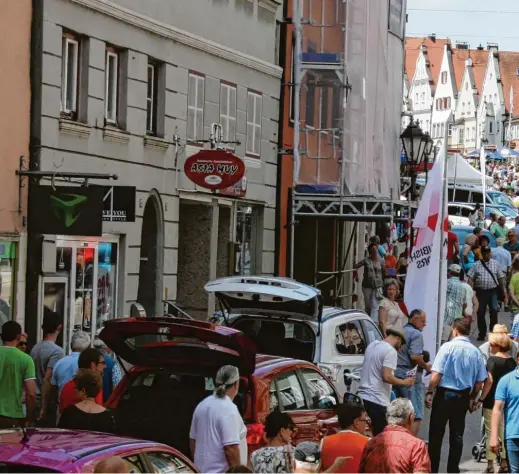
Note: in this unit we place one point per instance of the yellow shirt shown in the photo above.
(514, 285)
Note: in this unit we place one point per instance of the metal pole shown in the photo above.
(296, 21)
(455, 176)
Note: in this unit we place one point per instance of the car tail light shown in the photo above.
(255, 433)
(331, 370)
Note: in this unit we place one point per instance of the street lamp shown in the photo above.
(415, 142)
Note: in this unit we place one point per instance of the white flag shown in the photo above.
(425, 285)
(511, 100)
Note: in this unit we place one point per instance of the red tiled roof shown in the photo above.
(508, 64)
(479, 67)
(435, 50)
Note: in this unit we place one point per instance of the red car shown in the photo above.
(174, 365)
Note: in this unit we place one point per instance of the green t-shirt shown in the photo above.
(16, 368)
(498, 231)
(514, 284)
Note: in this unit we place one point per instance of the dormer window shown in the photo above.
(517, 71)
(444, 77)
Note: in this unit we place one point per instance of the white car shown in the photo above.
(459, 212)
(287, 318)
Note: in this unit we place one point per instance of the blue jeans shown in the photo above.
(512, 454)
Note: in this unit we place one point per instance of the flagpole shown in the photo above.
(443, 257)
(510, 121)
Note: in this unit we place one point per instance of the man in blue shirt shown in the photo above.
(458, 373)
(65, 370)
(507, 398)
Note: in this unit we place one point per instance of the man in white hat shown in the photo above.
(455, 302)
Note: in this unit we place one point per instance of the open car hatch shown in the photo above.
(163, 342)
(266, 296)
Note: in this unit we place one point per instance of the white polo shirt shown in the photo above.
(217, 423)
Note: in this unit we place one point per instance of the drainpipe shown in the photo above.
(283, 34)
(34, 241)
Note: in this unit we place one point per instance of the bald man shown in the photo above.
(112, 464)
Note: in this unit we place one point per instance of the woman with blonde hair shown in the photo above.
(390, 315)
(499, 364)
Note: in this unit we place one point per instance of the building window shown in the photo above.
(434, 131)
(195, 107)
(448, 103)
(462, 136)
(310, 101)
(228, 111)
(474, 132)
(70, 76)
(112, 86)
(151, 99)
(444, 77)
(253, 123)
(491, 127)
(497, 126)
(450, 130)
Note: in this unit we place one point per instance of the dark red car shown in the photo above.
(174, 365)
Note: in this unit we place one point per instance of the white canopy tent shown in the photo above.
(462, 173)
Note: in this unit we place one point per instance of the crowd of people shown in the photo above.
(46, 388)
(505, 179)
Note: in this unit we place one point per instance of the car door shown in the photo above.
(323, 398)
(287, 395)
(346, 347)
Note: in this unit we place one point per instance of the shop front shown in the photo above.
(83, 290)
(8, 264)
(80, 263)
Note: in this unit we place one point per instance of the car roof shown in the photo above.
(265, 364)
(51, 448)
(330, 312)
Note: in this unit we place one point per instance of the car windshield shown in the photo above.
(11, 467)
(501, 199)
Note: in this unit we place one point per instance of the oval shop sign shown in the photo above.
(214, 169)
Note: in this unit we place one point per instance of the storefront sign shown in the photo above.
(238, 190)
(397, 17)
(214, 169)
(67, 210)
(119, 203)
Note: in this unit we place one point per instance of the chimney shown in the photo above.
(492, 46)
(462, 45)
(468, 62)
(433, 37)
(480, 47)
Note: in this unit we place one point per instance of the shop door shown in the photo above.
(91, 270)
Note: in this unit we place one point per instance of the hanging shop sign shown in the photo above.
(119, 203)
(238, 190)
(214, 169)
(67, 210)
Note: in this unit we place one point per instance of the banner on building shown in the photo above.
(67, 210)
(426, 286)
(119, 203)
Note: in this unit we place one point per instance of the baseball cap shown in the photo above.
(454, 268)
(308, 451)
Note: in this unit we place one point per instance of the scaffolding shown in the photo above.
(339, 86)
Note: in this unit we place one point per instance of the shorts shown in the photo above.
(418, 400)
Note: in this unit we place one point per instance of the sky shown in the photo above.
(473, 21)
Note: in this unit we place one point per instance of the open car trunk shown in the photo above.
(175, 363)
(158, 404)
(277, 336)
(278, 314)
